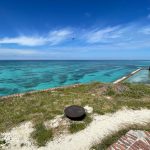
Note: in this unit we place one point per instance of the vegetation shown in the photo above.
(45, 105)
(2, 142)
(41, 134)
(76, 126)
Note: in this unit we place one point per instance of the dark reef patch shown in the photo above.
(63, 78)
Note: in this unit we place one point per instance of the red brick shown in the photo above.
(135, 146)
(120, 147)
(126, 140)
(147, 133)
(143, 145)
(115, 147)
(131, 136)
(123, 145)
(132, 148)
(120, 142)
(148, 140)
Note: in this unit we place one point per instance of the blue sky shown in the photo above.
(75, 29)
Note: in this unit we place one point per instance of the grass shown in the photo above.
(114, 137)
(45, 105)
(2, 142)
(77, 126)
(42, 135)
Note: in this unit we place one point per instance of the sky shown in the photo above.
(74, 29)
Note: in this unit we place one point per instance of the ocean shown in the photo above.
(23, 76)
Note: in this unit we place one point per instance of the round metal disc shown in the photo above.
(75, 112)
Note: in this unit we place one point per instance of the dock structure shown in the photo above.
(126, 77)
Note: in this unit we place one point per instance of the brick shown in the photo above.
(132, 148)
(120, 142)
(126, 140)
(142, 145)
(120, 147)
(148, 140)
(115, 148)
(123, 145)
(147, 133)
(135, 146)
(131, 136)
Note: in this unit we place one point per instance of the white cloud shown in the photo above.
(58, 36)
(103, 35)
(131, 36)
(24, 40)
(128, 36)
(53, 38)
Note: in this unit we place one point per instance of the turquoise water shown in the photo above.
(141, 77)
(23, 76)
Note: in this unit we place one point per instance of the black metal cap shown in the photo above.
(75, 112)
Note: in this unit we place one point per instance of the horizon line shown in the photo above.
(74, 59)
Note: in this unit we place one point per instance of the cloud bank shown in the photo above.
(53, 38)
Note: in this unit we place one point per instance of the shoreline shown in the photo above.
(68, 86)
(36, 91)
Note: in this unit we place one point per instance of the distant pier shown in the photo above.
(126, 77)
